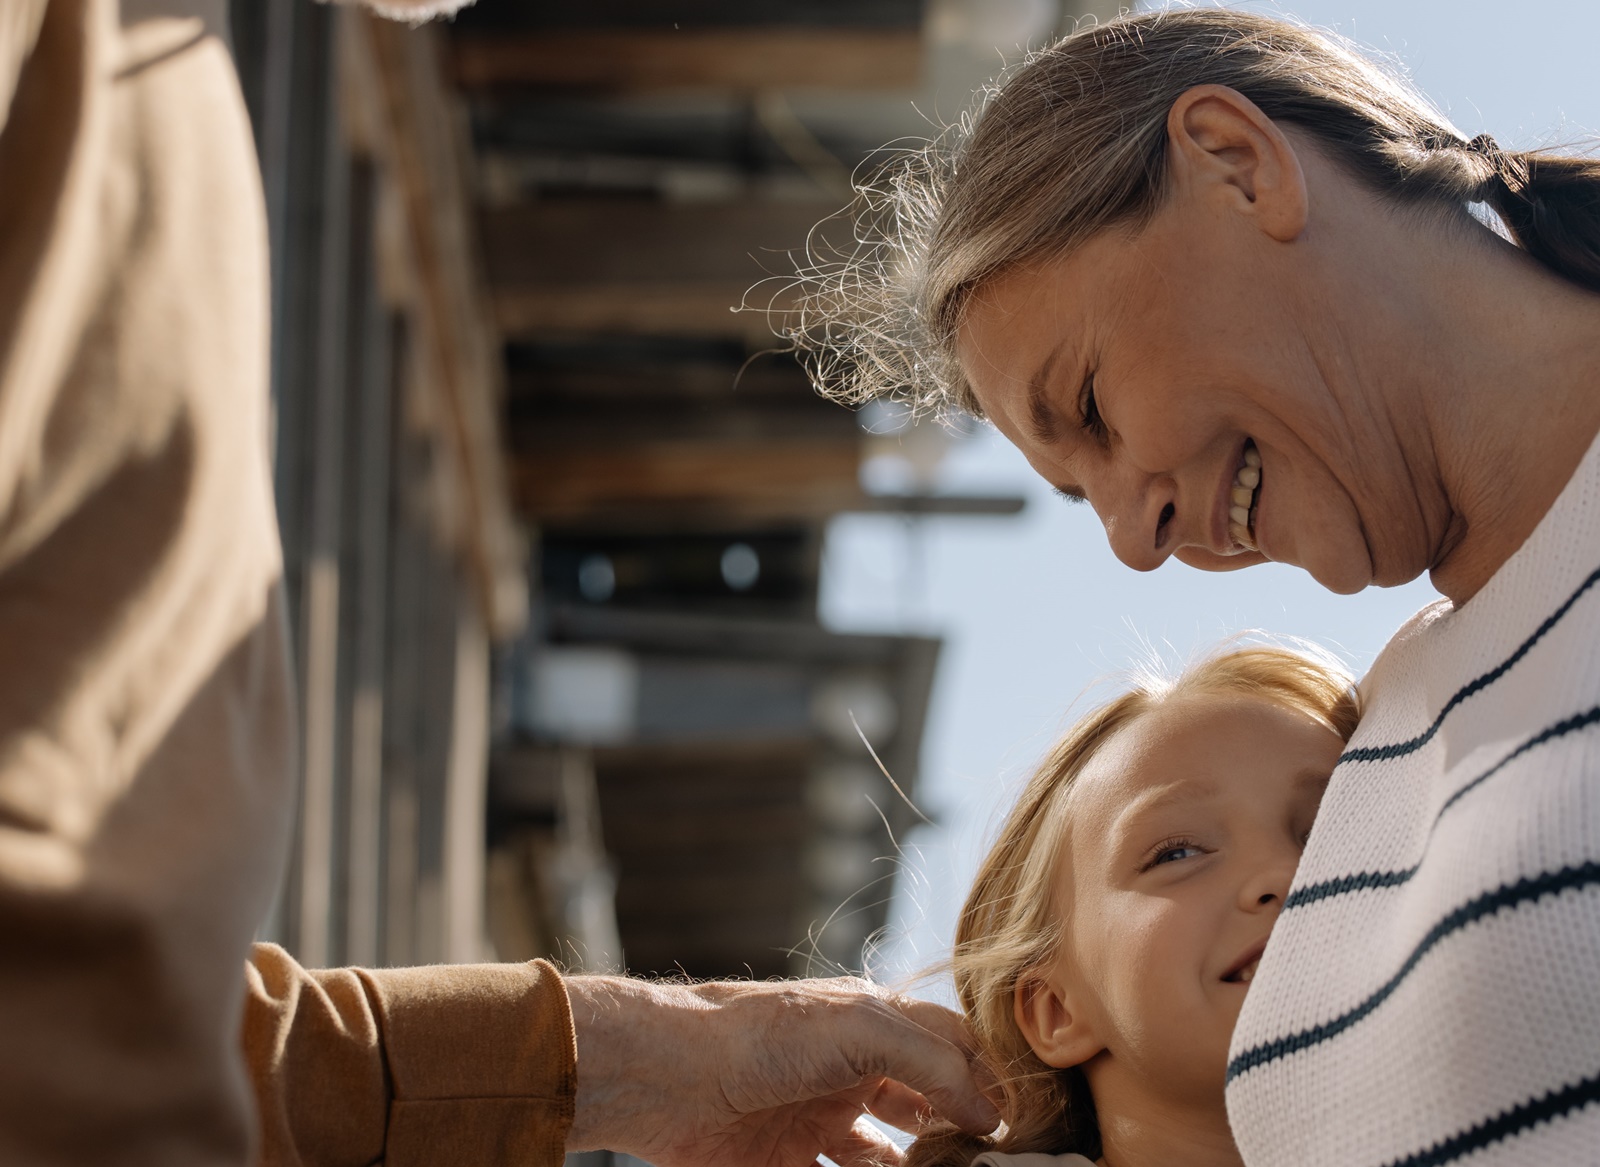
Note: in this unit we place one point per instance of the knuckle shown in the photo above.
(857, 986)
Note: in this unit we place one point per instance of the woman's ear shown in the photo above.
(1056, 1029)
(1220, 144)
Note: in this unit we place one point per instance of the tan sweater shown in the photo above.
(145, 729)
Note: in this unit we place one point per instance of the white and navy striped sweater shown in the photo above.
(1431, 994)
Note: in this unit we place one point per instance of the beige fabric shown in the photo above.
(463, 1064)
(144, 706)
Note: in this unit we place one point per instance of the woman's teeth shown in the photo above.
(1246, 491)
(1247, 974)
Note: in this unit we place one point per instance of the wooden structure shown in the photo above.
(750, 829)
(552, 515)
(403, 561)
(640, 176)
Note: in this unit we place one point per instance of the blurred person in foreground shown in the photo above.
(146, 736)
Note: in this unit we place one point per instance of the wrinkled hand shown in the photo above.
(765, 1075)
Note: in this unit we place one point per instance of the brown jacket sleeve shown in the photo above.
(453, 1064)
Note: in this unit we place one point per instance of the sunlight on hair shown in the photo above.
(1072, 140)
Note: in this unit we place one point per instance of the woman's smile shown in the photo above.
(1243, 498)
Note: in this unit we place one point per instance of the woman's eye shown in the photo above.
(1089, 410)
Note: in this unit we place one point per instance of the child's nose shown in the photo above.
(1267, 885)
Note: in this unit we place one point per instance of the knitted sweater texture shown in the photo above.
(1431, 993)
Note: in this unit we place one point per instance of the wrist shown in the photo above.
(631, 1042)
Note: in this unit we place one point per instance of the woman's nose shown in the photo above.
(1140, 516)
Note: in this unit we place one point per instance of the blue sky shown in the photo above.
(1036, 610)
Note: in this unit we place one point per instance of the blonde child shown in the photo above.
(1113, 930)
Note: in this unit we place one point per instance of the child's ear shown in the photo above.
(1054, 1027)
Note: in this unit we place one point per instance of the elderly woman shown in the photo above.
(1221, 278)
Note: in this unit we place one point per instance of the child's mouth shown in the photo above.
(1245, 975)
(1243, 497)
(1244, 970)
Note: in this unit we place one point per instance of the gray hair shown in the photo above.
(1073, 141)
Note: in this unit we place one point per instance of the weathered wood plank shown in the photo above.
(693, 58)
(602, 242)
(768, 476)
(693, 14)
(419, 140)
(650, 268)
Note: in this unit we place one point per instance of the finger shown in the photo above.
(864, 1145)
(900, 1106)
(946, 1023)
(940, 1070)
(949, 1025)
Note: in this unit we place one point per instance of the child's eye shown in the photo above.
(1171, 851)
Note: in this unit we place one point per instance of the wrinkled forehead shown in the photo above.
(1017, 337)
(1030, 336)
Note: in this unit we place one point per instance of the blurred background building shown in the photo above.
(553, 512)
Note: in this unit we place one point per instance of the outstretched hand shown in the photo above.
(767, 1074)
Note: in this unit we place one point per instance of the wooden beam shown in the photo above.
(769, 476)
(944, 505)
(605, 242)
(702, 58)
(646, 268)
(578, 425)
(669, 840)
(703, 310)
(677, 384)
(416, 131)
(505, 18)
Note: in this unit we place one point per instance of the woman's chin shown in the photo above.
(1210, 561)
(1343, 575)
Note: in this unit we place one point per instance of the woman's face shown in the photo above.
(1183, 835)
(1138, 370)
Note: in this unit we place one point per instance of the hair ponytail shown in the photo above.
(1550, 204)
(1055, 1117)
(1051, 1114)
(947, 1146)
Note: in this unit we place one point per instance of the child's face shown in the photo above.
(1182, 836)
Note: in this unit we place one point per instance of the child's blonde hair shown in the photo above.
(1011, 926)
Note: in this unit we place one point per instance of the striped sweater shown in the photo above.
(1431, 993)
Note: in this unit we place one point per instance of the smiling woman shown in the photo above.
(1177, 236)
(1225, 279)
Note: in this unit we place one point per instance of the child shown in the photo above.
(1113, 930)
